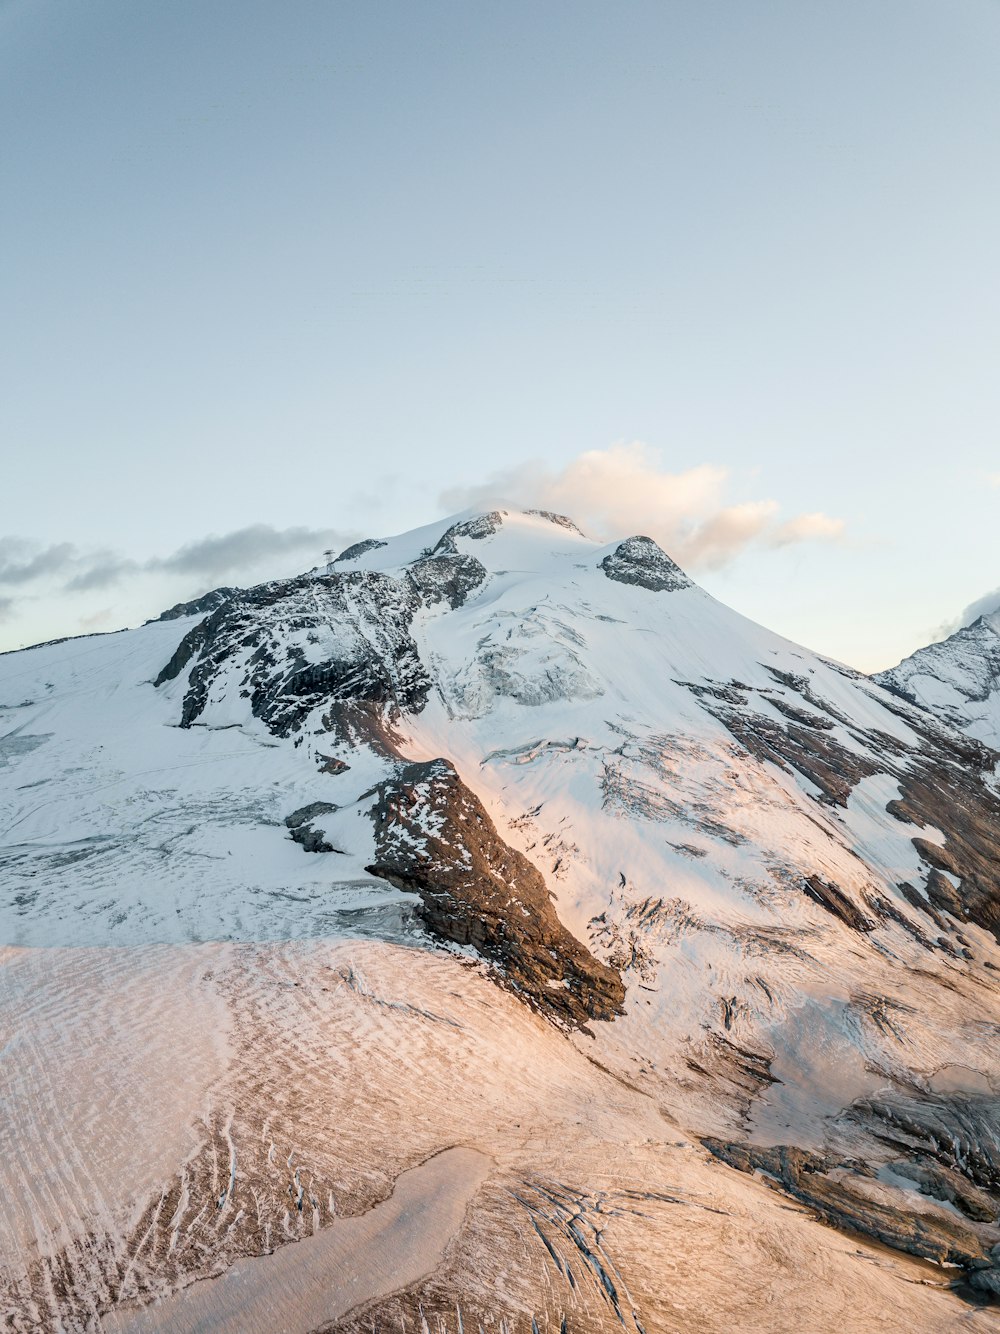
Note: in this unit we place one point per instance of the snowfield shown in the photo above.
(497, 934)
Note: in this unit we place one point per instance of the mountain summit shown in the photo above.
(510, 876)
(958, 678)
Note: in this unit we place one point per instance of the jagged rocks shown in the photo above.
(560, 520)
(947, 1185)
(302, 830)
(808, 1177)
(478, 527)
(295, 644)
(360, 549)
(434, 838)
(958, 1133)
(447, 578)
(330, 764)
(835, 901)
(198, 606)
(639, 560)
(957, 679)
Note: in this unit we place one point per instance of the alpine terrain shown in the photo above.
(959, 678)
(493, 932)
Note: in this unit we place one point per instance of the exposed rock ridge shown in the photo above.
(808, 1177)
(293, 645)
(640, 561)
(477, 528)
(943, 782)
(197, 606)
(434, 838)
(957, 679)
(560, 520)
(360, 549)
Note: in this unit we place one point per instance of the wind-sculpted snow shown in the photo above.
(494, 839)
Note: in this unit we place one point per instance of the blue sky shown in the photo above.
(277, 274)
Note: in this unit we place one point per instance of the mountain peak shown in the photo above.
(546, 852)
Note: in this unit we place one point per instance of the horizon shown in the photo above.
(600, 543)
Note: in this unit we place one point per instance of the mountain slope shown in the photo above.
(957, 679)
(496, 837)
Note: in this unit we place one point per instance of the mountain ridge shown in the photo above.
(491, 797)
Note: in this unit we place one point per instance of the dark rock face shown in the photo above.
(302, 831)
(447, 578)
(944, 779)
(835, 901)
(949, 1186)
(198, 607)
(638, 560)
(330, 764)
(478, 527)
(956, 1137)
(805, 1176)
(262, 635)
(818, 757)
(434, 838)
(561, 520)
(360, 549)
(968, 662)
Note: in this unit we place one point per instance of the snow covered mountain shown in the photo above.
(958, 679)
(533, 941)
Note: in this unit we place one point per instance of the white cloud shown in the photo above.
(625, 489)
(806, 528)
(984, 606)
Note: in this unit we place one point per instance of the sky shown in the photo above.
(726, 272)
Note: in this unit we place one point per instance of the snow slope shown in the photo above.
(499, 838)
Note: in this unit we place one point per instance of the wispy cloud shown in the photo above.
(984, 606)
(212, 558)
(22, 562)
(626, 489)
(217, 557)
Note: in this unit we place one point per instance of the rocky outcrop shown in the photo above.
(841, 1201)
(477, 528)
(835, 901)
(447, 578)
(302, 830)
(560, 520)
(360, 549)
(640, 561)
(434, 838)
(198, 606)
(293, 645)
(943, 778)
(957, 680)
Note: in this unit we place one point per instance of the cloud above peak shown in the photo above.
(984, 606)
(625, 489)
